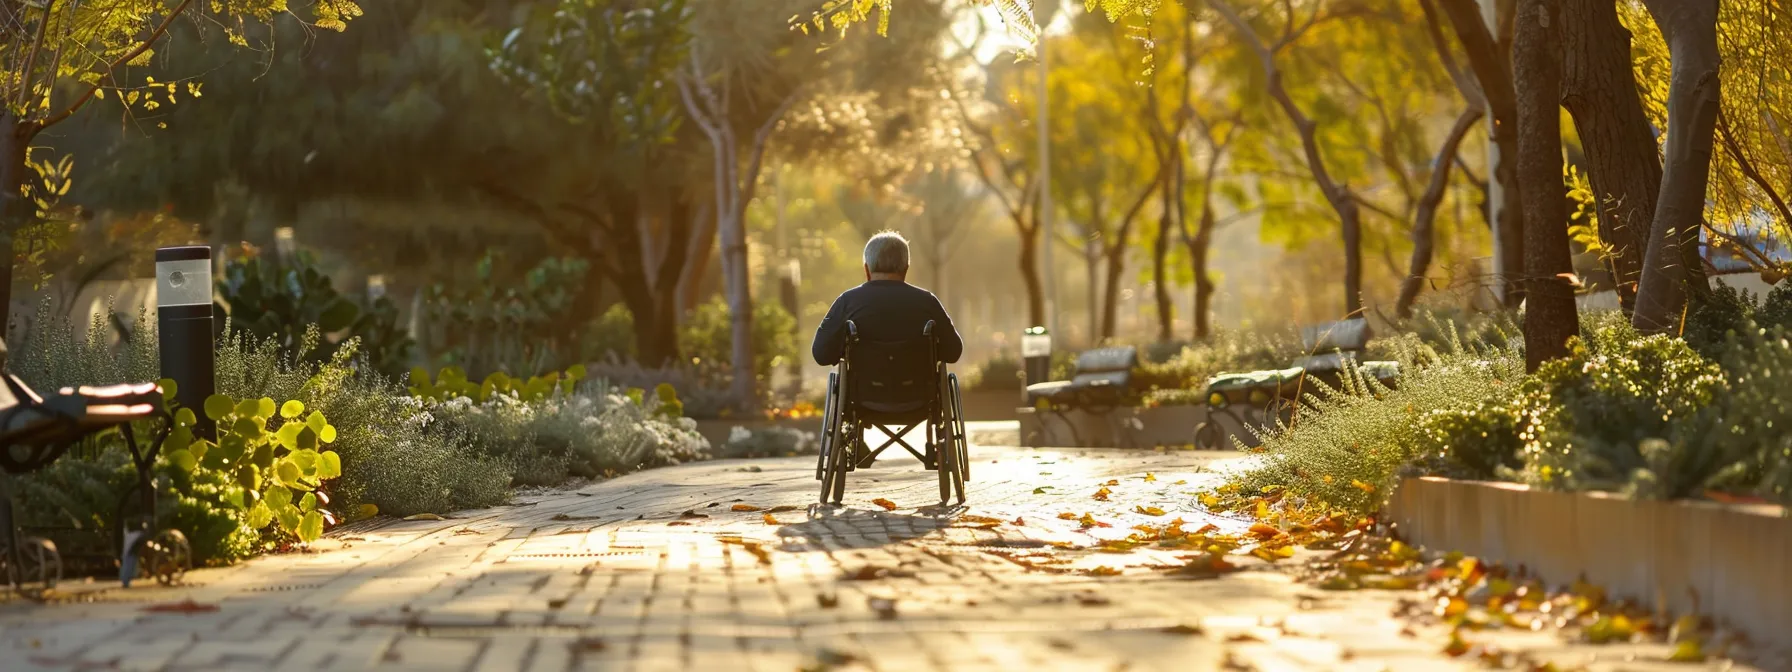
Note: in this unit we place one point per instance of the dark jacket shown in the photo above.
(885, 310)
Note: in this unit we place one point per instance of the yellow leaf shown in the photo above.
(1112, 482)
(1273, 554)
(1262, 531)
(1068, 516)
(887, 505)
(769, 520)
(1180, 483)
(748, 508)
(1102, 494)
(1149, 510)
(1149, 478)
(1365, 487)
(1104, 570)
(1210, 501)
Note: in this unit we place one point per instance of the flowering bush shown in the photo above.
(595, 432)
(770, 442)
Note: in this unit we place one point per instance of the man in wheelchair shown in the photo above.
(889, 342)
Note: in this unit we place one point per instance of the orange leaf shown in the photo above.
(748, 508)
(1365, 487)
(187, 606)
(1263, 531)
(1102, 494)
(769, 520)
(1068, 516)
(886, 504)
(1112, 482)
(1104, 570)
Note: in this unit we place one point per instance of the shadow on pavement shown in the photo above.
(845, 528)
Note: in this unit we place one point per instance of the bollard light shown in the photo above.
(185, 327)
(376, 287)
(1036, 353)
(285, 244)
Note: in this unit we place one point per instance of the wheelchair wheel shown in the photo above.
(830, 420)
(960, 436)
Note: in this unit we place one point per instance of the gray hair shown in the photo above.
(886, 252)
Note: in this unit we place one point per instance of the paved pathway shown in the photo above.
(657, 571)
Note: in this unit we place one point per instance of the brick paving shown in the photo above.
(656, 571)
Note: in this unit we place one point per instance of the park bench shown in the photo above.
(1330, 345)
(35, 431)
(1102, 380)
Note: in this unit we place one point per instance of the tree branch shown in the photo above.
(81, 101)
(1748, 169)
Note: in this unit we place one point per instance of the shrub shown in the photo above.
(57, 354)
(1224, 352)
(1709, 321)
(600, 431)
(611, 336)
(708, 338)
(282, 300)
(701, 397)
(1595, 418)
(770, 442)
(1477, 442)
(1348, 449)
(1000, 372)
(1757, 411)
(510, 321)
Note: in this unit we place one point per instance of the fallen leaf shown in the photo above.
(1194, 630)
(679, 523)
(1019, 522)
(1149, 478)
(1041, 489)
(785, 507)
(746, 508)
(874, 572)
(1273, 554)
(769, 520)
(1688, 651)
(186, 606)
(1088, 599)
(1112, 482)
(1103, 570)
(1264, 531)
(827, 601)
(1457, 646)
(1068, 516)
(887, 505)
(557, 603)
(1089, 521)
(1102, 494)
(1180, 483)
(1148, 510)
(692, 513)
(423, 516)
(1242, 638)
(883, 606)
(1211, 501)
(589, 644)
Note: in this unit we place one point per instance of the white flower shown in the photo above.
(739, 434)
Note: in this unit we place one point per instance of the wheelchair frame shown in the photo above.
(844, 425)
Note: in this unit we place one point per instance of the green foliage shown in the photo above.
(282, 300)
(1222, 353)
(707, 338)
(55, 354)
(1710, 321)
(699, 395)
(501, 325)
(1351, 443)
(1476, 442)
(1588, 415)
(595, 433)
(611, 336)
(452, 383)
(1757, 410)
(275, 456)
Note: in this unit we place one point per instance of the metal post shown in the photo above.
(1036, 354)
(1044, 11)
(185, 328)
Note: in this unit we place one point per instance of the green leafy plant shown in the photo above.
(278, 471)
(502, 322)
(1588, 416)
(281, 300)
(707, 338)
(452, 383)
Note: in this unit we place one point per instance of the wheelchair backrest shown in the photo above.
(894, 372)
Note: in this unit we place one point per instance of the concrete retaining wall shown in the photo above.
(1736, 559)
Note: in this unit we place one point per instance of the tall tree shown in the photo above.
(1599, 89)
(1343, 202)
(61, 55)
(1550, 318)
(1694, 95)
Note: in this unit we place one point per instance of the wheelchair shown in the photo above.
(894, 387)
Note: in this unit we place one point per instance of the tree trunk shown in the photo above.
(701, 251)
(1599, 89)
(1029, 274)
(1550, 318)
(15, 211)
(737, 283)
(1425, 215)
(1489, 59)
(1198, 247)
(1110, 305)
(1690, 29)
(1092, 267)
(1160, 277)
